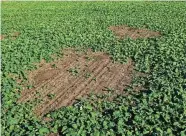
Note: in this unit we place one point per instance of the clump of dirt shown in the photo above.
(74, 76)
(133, 33)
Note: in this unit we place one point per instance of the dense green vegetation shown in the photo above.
(47, 27)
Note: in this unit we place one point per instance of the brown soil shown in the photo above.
(13, 36)
(46, 119)
(53, 134)
(56, 86)
(2, 37)
(133, 33)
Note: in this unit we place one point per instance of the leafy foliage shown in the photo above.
(47, 27)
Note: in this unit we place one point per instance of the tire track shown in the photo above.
(62, 98)
(30, 94)
(60, 85)
(91, 84)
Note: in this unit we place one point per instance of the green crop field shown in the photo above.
(32, 31)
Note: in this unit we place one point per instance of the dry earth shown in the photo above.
(60, 83)
(12, 35)
(133, 33)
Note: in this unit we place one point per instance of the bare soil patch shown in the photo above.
(74, 76)
(13, 36)
(2, 37)
(133, 33)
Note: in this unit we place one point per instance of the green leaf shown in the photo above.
(43, 130)
(13, 121)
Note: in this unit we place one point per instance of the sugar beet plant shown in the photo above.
(46, 27)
